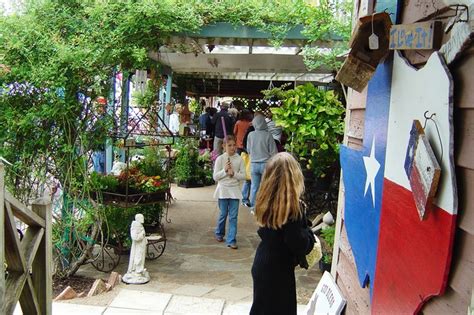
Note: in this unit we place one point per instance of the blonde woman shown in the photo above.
(285, 237)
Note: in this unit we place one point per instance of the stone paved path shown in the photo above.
(134, 302)
(194, 264)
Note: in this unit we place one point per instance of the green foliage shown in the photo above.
(207, 177)
(315, 57)
(314, 120)
(327, 258)
(149, 97)
(328, 234)
(72, 233)
(151, 164)
(276, 93)
(205, 167)
(137, 183)
(186, 167)
(205, 157)
(118, 220)
(195, 107)
(101, 182)
(192, 166)
(60, 49)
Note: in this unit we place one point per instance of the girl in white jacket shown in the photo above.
(229, 170)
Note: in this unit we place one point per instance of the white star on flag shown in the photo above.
(372, 167)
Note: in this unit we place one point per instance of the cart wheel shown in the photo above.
(107, 257)
(156, 244)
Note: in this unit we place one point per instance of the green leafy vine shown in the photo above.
(57, 58)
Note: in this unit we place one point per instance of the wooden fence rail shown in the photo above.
(27, 277)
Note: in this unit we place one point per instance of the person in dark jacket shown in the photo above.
(210, 128)
(205, 119)
(219, 128)
(285, 237)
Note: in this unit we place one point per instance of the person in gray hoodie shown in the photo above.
(261, 147)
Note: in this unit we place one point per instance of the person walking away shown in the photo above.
(240, 131)
(261, 147)
(234, 115)
(219, 127)
(275, 131)
(229, 170)
(210, 127)
(204, 120)
(285, 237)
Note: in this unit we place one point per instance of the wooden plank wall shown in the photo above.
(458, 293)
(461, 277)
(2, 240)
(358, 299)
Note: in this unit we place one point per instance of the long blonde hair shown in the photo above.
(279, 193)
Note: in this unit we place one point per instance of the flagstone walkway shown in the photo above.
(194, 267)
(134, 302)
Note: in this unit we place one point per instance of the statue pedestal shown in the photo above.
(136, 278)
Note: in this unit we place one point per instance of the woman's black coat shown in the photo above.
(273, 270)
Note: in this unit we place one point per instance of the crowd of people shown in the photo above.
(252, 143)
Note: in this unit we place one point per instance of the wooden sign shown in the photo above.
(422, 169)
(355, 73)
(360, 65)
(462, 35)
(417, 36)
(420, 268)
(327, 298)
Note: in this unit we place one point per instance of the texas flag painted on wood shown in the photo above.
(402, 256)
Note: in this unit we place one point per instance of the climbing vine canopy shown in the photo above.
(57, 56)
(57, 50)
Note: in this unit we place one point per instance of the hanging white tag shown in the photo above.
(373, 42)
(373, 39)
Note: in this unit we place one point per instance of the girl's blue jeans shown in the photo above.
(228, 207)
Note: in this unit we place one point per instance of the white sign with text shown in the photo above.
(327, 298)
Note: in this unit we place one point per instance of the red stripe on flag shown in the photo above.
(413, 256)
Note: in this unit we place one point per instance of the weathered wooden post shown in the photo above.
(2, 240)
(29, 279)
(42, 264)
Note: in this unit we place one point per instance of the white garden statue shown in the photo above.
(136, 273)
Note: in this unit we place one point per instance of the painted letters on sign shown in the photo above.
(327, 298)
(424, 35)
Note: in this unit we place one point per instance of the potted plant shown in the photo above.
(205, 164)
(325, 262)
(327, 244)
(276, 94)
(143, 182)
(187, 169)
(314, 120)
(118, 221)
(149, 96)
